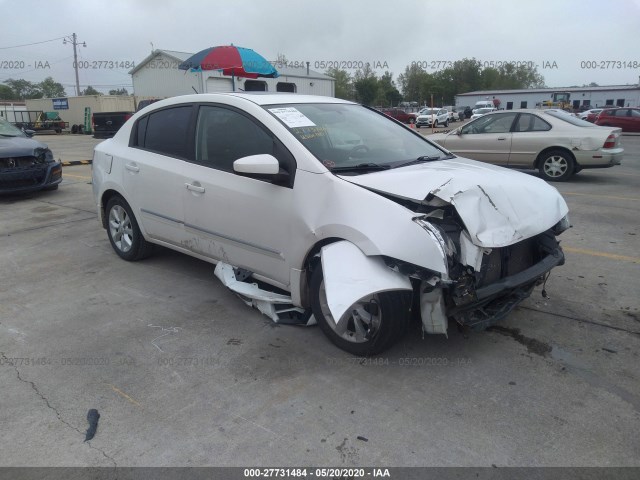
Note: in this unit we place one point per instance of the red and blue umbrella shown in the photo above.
(231, 60)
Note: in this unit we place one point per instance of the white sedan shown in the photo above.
(432, 117)
(344, 216)
(554, 142)
(482, 111)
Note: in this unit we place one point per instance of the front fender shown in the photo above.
(350, 275)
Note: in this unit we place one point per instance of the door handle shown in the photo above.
(194, 188)
(132, 167)
(502, 138)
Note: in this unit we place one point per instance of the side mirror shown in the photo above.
(29, 133)
(458, 131)
(257, 165)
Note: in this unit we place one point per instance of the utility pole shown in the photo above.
(73, 40)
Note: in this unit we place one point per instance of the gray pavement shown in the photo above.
(184, 374)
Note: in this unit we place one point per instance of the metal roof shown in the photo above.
(550, 90)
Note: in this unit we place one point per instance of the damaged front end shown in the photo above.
(26, 170)
(482, 285)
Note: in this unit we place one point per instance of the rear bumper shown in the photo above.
(602, 158)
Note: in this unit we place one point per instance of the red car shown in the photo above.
(628, 119)
(400, 115)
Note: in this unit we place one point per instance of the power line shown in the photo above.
(29, 44)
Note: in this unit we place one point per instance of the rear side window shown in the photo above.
(165, 131)
(531, 123)
(621, 113)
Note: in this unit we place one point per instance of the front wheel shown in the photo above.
(556, 166)
(446, 123)
(370, 326)
(124, 233)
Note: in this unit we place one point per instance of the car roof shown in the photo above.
(259, 98)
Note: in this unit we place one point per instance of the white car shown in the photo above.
(586, 113)
(482, 111)
(453, 115)
(343, 215)
(428, 117)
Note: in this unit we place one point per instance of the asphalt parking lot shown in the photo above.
(184, 374)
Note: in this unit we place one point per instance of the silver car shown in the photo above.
(557, 144)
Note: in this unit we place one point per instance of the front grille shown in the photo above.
(13, 162)
(22, 176)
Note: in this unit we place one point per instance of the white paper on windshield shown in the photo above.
(292, 117)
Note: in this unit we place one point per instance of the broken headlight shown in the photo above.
(562, 225)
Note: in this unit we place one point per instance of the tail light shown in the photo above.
(611, 141)
(128, 116)
(93, 123)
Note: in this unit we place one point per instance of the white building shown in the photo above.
(619, 95)
(158, 76)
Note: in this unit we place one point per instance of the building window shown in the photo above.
(576, 104)
(286, 87)
(523, 104)
(586, 103)
(609, 102)
(255, 86)
(620, 102)
(509, 105)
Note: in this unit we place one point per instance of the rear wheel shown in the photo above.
(370, 326)
(124, 233)
(446, 123)
(556, 166)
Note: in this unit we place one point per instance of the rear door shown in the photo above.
(161, 144)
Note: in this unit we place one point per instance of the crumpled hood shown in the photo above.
(498, 206)
(19, 146)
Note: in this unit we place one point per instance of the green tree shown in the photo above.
(51, 89)
(366, 85)
(119, 91)
(343, 83)
(415, 83)
(24, 89)
(6, 93)
(90, 91)
(388, 94)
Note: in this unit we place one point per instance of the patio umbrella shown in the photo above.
(230, 60)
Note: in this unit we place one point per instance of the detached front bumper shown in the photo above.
(31, 178)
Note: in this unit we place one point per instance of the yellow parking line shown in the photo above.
(76, 176)
(595, 253)
(600, 196)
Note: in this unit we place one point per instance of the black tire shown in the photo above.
(556, 165)
(446, 123)
(394, 313)
(127, 240)
(435, 124)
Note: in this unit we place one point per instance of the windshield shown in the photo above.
(429, 111)
(569, 119)
(347, 135)
(8, 130)
(484, 110)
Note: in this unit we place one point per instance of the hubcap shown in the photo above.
(360, 322)
(555, 166)
(120, 228)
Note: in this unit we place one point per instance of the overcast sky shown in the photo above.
(556, 35)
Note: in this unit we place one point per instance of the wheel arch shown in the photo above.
(550, 149)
